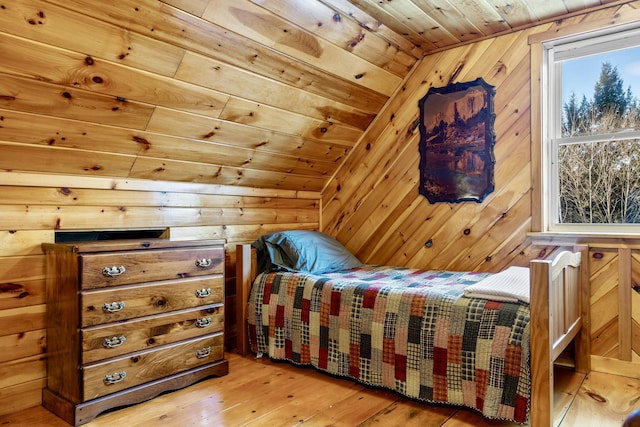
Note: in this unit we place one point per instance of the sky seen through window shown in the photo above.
(580, 75)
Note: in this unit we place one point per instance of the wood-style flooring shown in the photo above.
(260, 392)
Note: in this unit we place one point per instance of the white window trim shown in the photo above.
(553, 51)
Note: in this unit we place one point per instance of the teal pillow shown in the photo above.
(304, 251)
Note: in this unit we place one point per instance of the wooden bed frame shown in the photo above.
(559, 315)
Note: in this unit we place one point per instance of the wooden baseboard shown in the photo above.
(615, 366)
(82, 413)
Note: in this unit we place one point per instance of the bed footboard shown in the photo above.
(559, 315)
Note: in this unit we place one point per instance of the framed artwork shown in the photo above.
(456, 142)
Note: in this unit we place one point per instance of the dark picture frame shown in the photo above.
(456, 142)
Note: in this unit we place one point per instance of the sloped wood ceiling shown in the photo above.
(260, 93)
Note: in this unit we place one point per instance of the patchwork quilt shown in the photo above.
(408, 330)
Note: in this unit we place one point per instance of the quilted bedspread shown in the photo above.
(407, 330)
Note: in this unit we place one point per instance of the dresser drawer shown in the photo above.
(115, 339)
(102, 378)
(128, 302)
(115, 268)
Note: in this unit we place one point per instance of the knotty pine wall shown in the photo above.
(615, 307)
(373, 206)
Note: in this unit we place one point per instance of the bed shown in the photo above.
(435, 336)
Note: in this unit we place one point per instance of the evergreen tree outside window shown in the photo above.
(591, 137)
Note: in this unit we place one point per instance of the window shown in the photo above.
(591, 132)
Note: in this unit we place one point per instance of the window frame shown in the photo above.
(547, 55)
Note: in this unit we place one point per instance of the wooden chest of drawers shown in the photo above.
(130, 319)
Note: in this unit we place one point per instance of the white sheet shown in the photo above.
(510, 285)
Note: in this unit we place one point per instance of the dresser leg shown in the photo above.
(58, 405)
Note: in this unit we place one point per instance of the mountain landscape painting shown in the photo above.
(456, 142)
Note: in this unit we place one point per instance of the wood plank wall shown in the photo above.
(373, 206)
(615, 305)
(35, 206)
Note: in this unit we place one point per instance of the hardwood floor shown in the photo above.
(260, 392)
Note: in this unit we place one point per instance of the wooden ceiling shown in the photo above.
(435, 24)
(258, 93)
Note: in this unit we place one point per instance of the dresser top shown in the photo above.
(128, 244)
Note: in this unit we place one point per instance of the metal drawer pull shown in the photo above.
(113, 271)
(115, 378)
(204, 352)
(204, 262)
(114, 342)
(203, 322)
(203, 293)
(113, 307)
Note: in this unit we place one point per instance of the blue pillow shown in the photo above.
(304, 251)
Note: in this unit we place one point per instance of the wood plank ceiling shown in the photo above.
(258, 93)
